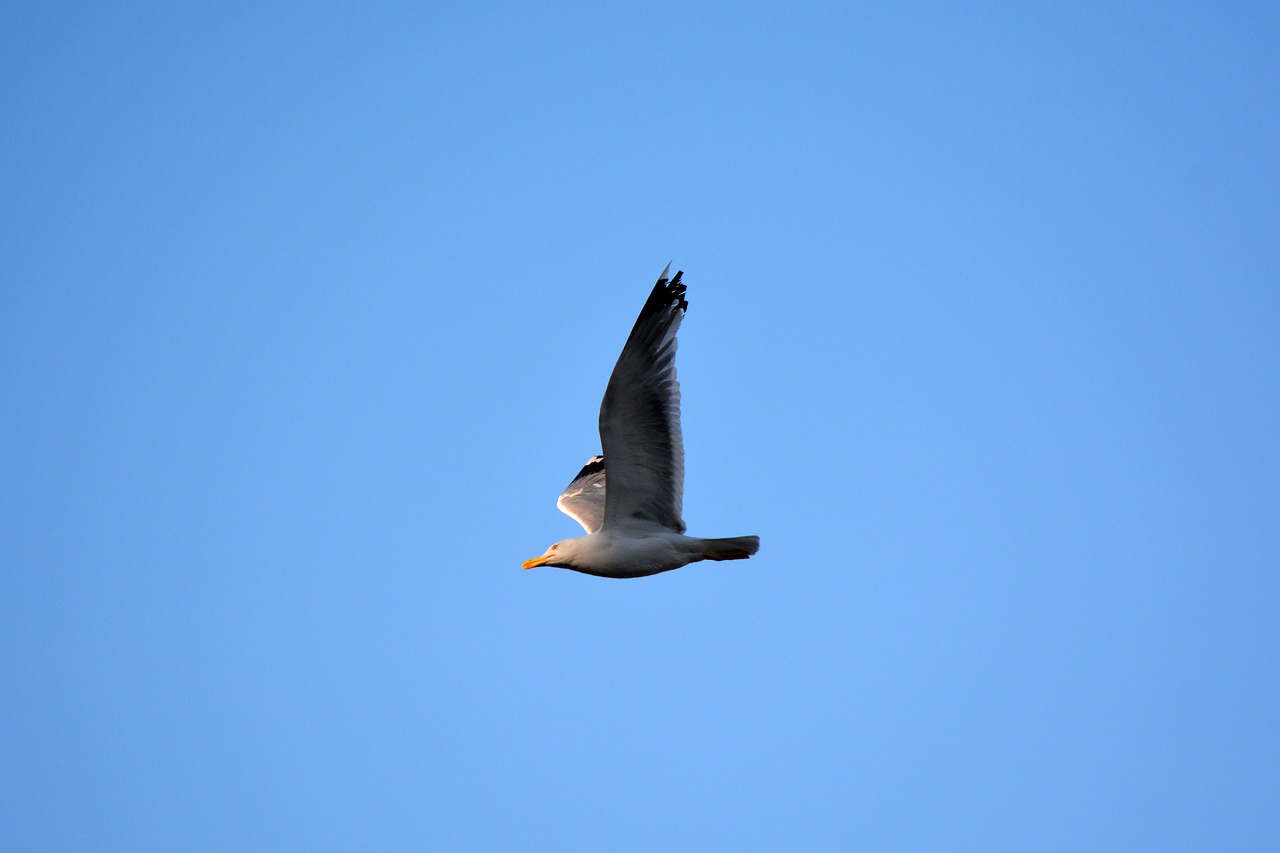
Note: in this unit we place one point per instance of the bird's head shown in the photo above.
(559, 555)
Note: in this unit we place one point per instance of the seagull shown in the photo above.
(634, 526)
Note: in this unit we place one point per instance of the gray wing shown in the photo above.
(583, 499)
(640, 416)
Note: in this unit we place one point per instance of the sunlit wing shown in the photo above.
(583, 499)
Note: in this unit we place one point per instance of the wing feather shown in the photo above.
(583, 499)
(640, 416)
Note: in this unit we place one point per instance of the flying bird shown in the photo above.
(633, 522)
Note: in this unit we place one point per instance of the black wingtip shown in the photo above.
(594, 464)
(666, 292)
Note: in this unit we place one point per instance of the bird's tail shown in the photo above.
(734, 548)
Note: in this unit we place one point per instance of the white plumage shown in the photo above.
(633, 517)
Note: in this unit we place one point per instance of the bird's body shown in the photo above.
(634, 525)
(636, 551)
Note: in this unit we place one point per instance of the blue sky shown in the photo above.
(307, 312)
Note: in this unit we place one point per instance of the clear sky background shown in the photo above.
(307, 311)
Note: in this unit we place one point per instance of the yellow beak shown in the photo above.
(534, 563)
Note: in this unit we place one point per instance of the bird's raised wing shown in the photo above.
(583, 499)
(640, 416)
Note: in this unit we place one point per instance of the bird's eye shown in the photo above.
(553, 547)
